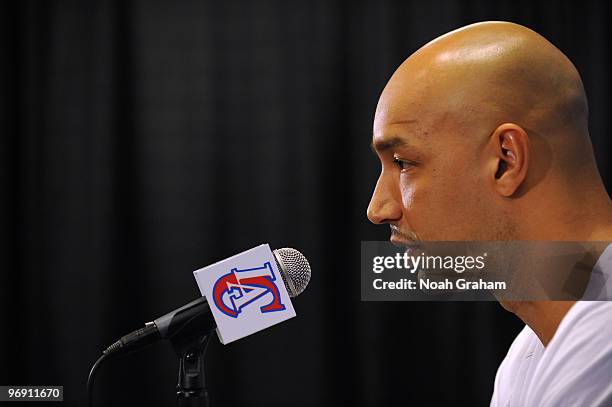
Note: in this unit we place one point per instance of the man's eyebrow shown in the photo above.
(383, 145)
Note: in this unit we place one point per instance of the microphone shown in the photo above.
(195, 318)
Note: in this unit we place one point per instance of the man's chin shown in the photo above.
(413, 249)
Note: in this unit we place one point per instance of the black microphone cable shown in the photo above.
(143, 336)
(92, 376)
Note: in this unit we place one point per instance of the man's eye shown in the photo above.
(401, 163)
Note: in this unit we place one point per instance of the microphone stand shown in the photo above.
(189, 330)
(190, 339)
(191, 388)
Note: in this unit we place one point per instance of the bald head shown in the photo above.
(487, 74)
(492, 108)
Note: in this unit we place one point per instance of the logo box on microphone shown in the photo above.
(245, 292)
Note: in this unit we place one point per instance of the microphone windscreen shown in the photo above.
(294, 269)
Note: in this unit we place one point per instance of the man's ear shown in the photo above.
(509, 145)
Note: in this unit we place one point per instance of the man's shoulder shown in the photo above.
(575, 369)
(524, 351)
(586, 322)
(585, 330)
(578, 356)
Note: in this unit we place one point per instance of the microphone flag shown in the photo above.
(245, 292)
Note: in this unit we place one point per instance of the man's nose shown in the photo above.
(384, 206)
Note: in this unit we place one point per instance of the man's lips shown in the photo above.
(401, 238)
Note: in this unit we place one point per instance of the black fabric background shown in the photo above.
(142, 140)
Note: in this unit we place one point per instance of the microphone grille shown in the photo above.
(294, 269)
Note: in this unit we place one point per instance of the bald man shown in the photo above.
(483, 135)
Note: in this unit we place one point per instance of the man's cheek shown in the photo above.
(429, 207)
(417, 208)
(408, 191)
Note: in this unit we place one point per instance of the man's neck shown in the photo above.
(543, 317)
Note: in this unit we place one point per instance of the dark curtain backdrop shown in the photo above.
(142, 140)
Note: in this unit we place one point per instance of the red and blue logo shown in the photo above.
(238, 289)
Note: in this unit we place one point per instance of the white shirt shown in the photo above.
(575, 369)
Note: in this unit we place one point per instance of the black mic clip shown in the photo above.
(190, 337)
